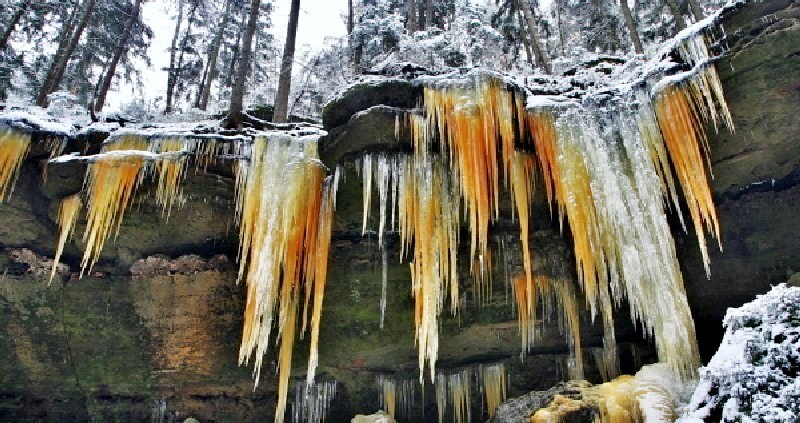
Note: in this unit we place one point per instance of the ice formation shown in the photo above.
(312, 402)
(285, 208)
(67, 216)
(110, 184)
(428, 220)
(14, 146)
(610, 181)
(610, 166)
(455, 391)
(284, 237)
(494, 385)
(648, 397)
(397, 395)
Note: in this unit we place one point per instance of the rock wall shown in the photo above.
(153, 332)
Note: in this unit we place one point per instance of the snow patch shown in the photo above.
(754, 374)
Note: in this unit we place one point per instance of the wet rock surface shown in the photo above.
(156, 327)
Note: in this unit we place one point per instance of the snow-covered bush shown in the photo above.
(754, 374)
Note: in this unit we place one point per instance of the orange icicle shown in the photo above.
(680, 119)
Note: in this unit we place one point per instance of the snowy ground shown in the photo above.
(754, 374)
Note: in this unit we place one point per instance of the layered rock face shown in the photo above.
(153, 331)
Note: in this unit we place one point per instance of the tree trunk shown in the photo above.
(428, 14)
(533, 32)
(83, 88)
(411, 16)
(676, 14)
(229, 77)
(23, 5)
(696, 10)
(631, 25)
(112, 67)
(523, 34)
(560, 28)
(212, 58)
(59, 65)
(285, 80)
(235, 115)
(63, 41)
(172, 53)
(350, 17)
(183, 47)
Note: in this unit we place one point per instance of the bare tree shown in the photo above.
(65, 49)
(281, 110)
(23, 5)
(118, 50)
(235, 117)
(631, 25)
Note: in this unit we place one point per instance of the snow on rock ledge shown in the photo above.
(754, 374)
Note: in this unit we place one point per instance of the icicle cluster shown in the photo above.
(397, 396)
(67, 216)
(312, 402)
(14, 146)
(425, 203)
(454, 390)
(494, 385)
(114, 174)
(612, 179)
(285, 206)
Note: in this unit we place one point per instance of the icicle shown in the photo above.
(366, 174)
(384, 281)
(389, 397)
(14, 146)
(67, 216)
(522, 188)
(170, 172)
(493, 380)
(459, 385)
(441, 395)
(110, 183)
(472, 125)
(286, 208)
(312, 402)
(382, 173)
(681, 124)
(321, 270)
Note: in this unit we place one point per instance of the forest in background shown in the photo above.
(223, 58)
